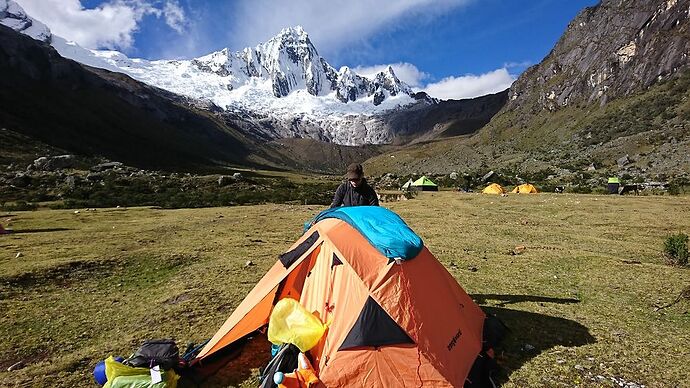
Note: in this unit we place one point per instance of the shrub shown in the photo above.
(676, 249)
(18, 206)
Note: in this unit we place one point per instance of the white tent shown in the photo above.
(407, 186)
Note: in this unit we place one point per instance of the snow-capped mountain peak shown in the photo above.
(13, 16)
(279, 88)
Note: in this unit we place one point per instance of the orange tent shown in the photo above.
(392, 323)
(494, 188)
(525, 189)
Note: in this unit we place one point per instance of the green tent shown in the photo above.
(613, 185)
(424, 184)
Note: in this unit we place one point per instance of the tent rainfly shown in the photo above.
(613, 185)
(424, 184)
(494, 188)
(407, 186)
(367, 274)
(525, 189)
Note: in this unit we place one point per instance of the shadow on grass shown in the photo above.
(508, 299)
(43, 230)
(530, 334)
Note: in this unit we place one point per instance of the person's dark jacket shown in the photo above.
(362, 195)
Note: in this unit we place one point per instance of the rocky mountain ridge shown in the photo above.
(608, 51)
(612, 97)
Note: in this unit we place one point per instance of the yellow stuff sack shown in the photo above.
(114, 369)
(291, 323)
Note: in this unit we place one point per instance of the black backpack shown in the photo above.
(284, 361)
(161, 352)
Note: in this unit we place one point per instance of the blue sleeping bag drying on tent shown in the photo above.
(385, 230)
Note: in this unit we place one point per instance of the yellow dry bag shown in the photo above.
(291, 323)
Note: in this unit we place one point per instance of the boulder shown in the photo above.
(106, 166)
(94, 177)
(71, 182)
(225, 180)
(52, 163)
(20, 180)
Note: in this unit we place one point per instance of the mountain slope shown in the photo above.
(612, 94)
(93, 111)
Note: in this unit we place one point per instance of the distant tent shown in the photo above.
(494, 188)
(613, 185)
(424, 184)
(407, 186)
(525, 189)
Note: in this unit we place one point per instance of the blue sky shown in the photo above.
(437, 45)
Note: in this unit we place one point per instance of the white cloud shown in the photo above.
(175, 16)
(518, 65)
(110, 25)
(470, 85)
(407, 72)
(331, 24)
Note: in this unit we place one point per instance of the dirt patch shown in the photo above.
(178, 299)
(63, 275)
(7, 360)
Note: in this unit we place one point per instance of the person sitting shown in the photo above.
(355, 191)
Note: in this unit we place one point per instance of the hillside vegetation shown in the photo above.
(650, 129)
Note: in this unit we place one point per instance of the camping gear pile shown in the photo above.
(356, 301)
(151, 366)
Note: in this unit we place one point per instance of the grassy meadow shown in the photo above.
(579, 294)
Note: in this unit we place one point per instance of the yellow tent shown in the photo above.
(525, 189)
(494, 188)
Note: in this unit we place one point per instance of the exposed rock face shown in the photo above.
(424, 119)
(51, 163)
(608, 51)
(291, 62)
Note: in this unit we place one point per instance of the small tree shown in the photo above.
(676, 249)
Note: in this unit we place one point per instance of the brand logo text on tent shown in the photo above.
(454, 341)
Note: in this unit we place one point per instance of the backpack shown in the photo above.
(161, 352)
(284, 361)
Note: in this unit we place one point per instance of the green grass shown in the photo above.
(582, 295)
